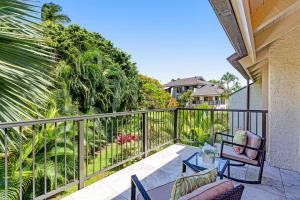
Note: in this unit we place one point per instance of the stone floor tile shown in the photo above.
(292, 192)
(271, 172)
(290, 178)
(238, 172)
(95, 191)
(252, 173)
(254, 193)
(119, 197)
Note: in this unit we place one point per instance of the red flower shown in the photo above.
(121, 139)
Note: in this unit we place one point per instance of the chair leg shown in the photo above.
(133, 191)
(260, 173)
(228, 170)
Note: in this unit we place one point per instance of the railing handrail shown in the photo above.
(114, 114)
(221, 109)
(4, 125)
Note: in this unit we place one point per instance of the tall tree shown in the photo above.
(153, 94)
(52, 12)
(120, 82)
(24, 62)
(230, 83)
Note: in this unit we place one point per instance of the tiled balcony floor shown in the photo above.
(165, 166)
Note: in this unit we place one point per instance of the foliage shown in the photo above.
(52, 12)
(54, 144)
(94, 82)
(99, 77)
(216, 82)
(194, 126)
(173, 103)
(229, 82)
(153, 95)
(24, 62)
(186, 98)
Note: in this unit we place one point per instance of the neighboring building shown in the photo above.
(266, 37)
(203, 91)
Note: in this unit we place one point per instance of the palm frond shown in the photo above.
(24, 62)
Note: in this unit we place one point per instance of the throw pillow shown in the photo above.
(253, 141)
(209, 191)
(187, 184)
(240, 137)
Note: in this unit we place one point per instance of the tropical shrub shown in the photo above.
(153, 95)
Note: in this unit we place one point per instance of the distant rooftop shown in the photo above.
(208, 90)
(196, 80)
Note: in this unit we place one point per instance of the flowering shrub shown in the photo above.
(121, 139)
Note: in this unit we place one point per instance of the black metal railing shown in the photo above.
(198, 126)
(42, 158)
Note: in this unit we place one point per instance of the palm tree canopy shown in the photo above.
(230, 82)
(52, 12)
(24, 61)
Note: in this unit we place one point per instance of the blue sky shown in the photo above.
(166, 38)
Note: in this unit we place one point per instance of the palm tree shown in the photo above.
(52, 12)
(186, 98)
(24, 62)
(230, 82)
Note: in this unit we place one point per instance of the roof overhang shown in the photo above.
(252, 26)
(234, 61)
(226, 16)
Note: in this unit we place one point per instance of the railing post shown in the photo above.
(212, 127)
(145, 133)
(248, 120)
(81, 154)
(175, 125)
(264, 125)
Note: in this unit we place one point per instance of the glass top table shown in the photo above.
(196, 164)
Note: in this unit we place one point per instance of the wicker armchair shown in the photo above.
(241, 159)
(164, 192)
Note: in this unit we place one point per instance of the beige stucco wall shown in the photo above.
(238, 100)
(265, 87)
(284, 101)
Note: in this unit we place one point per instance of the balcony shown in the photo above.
(165, 166)
(63, 154)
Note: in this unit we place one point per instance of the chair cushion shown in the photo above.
(229, 153)
(187, 184)
(240, 137)
(210, 191)
(252, 141)
(162, 192)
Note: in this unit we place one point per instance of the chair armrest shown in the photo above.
(234, 194)
(224, 134)
(136, 184)
(240, 145)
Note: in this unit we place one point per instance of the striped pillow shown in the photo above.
(187, 184)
